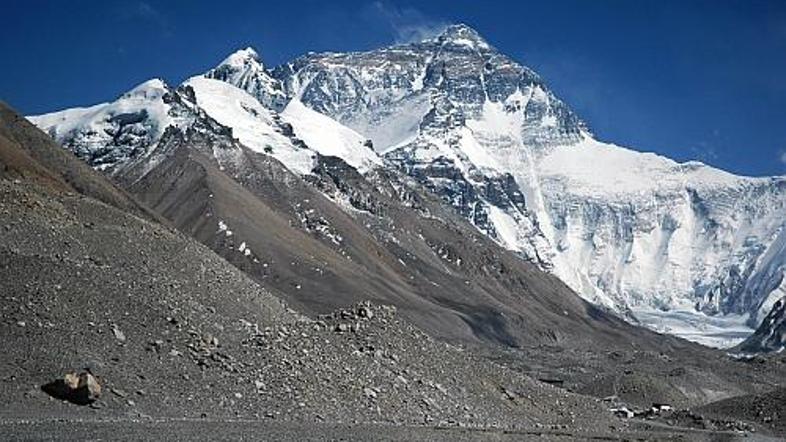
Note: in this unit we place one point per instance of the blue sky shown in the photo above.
(688, 79)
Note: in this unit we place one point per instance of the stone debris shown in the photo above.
(370, 393)
(623, 412)
(119, 335)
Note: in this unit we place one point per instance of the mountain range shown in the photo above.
(683, 248)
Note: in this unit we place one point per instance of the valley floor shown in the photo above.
(206, 429)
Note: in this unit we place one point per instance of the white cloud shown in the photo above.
(408, 24)
(144, 11)
(782, 156)
(704, 152)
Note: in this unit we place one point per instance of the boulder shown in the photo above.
(81, 389)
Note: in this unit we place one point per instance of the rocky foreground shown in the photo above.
(172, 331)
(180, 340)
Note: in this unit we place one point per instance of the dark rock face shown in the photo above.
(466, 193)
(771, 334)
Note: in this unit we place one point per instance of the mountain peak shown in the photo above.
(462, 34)
(152, 88)
(244, 69)
(242, 57)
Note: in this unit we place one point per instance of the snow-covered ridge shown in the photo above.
(269, 132)
(242, 58)
(595, 168)
(461, 35)
(114, 136)
(330, 138)
(252, 124)
(108, 134)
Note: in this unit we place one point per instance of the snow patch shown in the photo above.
(329, 137)
(222, 227)
(595, 168)
(252, 123)
(505, 226)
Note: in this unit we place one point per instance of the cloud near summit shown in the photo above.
(407, 24)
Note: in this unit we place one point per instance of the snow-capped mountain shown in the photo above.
(385, 94)
(635, 232)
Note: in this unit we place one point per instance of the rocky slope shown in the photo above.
(182, 341)
(30, 154)
(766, 409)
